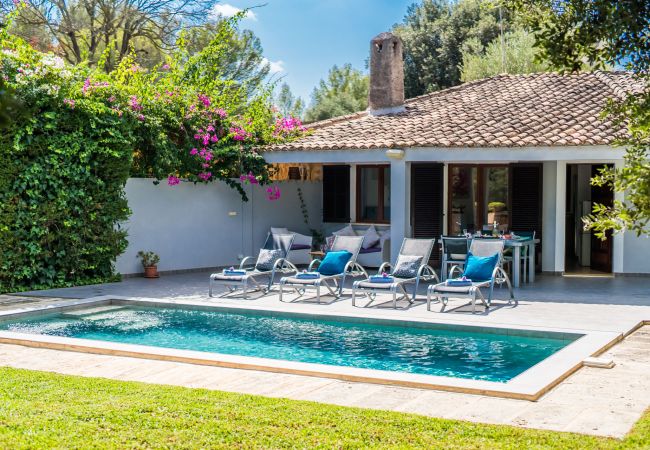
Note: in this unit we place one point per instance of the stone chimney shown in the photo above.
(386, 93)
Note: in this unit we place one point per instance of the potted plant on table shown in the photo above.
(150, 262)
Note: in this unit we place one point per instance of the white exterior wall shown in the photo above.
(635, 254)
(199, 226)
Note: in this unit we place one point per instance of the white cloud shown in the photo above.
(227, 10)
(275, 66)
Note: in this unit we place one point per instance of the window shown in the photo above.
(336, 194)
(373, 194)
(478, 196)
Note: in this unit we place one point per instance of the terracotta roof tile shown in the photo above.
(544, 109)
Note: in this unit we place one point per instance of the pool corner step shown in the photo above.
(80, 313)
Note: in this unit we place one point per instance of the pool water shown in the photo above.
(432, 351)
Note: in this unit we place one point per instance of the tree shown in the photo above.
(600, 33)
(434, 34)
(243, 64)
(343, 92)
(82, 30)
(518, 56)
(287, 103)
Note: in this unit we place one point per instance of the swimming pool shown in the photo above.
(474, 353)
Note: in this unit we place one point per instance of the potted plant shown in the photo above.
(150, 262)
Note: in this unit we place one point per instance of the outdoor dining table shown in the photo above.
(517, 245)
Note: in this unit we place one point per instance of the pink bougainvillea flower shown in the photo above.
(273, 193)
(193, 152)
(140, 117)
(205, 176)
(134, 103)
(69, 102)
(204, 99)
(173, 180)
(166, 67)
(221, 113)
(111, 99)
(86, 86)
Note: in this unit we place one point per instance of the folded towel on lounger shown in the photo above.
(459, 282)
(308, 275)
(381, 279)
(234, 273)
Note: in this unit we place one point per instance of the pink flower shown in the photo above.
(69, 102)
(111, 99)
(86, 87)
(140, 117)
(165, 67)
(193, 152)
(204, 99)
(205, 176)
(273, 193)
(173, 180)
(249, 178)
(134, 103)
(221, 113)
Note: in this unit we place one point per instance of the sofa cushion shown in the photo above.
(275, 230)
(364, 251)
(301, 239)
(345, 231)
(370, 237)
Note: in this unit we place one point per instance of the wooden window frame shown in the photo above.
(480, 190)
(380, 186)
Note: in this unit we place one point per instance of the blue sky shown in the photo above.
(303, 39)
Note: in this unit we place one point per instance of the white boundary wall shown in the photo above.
(199, 226)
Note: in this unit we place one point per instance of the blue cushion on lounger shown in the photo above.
(480, 268)
(334, 262)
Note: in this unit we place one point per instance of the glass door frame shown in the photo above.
(380, 193)
(480, 188)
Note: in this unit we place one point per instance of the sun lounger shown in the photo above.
(247, 277)
(333, 282)
(411, 267)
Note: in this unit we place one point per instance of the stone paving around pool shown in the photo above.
(592, 400)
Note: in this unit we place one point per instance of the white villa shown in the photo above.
(515, 149)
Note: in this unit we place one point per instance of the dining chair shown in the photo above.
(454, 253)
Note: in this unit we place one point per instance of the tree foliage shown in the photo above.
(287, 103)
(570, 33)
(435, 33)
(244, 61)
(518, 55)
(83, 30)
(344, 91)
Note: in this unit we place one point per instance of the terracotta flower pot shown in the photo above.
(151, 272)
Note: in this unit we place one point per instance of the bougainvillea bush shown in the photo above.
(64, 161)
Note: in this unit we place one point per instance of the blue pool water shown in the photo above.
(431, 351)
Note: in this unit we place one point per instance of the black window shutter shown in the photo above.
(427, 202)
(526, 201)
(526, 194)
(336, 194)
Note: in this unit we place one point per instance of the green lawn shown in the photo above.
(43, 410)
